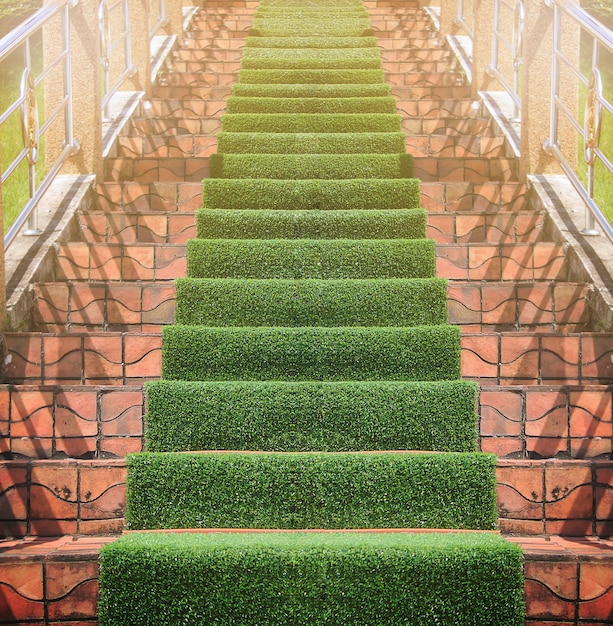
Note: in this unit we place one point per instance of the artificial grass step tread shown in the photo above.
(311, 166)
(311, 224)
(311, 353)
(311, 490)
(325, 195)
(311, 258)
(288, 21)
(311, 122)
(302, 416)
(312, 53)
(302, 76)
(300, 90)
(324, 12)
(322, 30)
(298, 63)
(376, 104)
(253, 302)
(298, 579)
(310, 42)
(311, 143)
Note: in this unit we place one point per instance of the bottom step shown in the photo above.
(568, 581)
(311, 578)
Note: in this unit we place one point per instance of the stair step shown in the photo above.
(89, 359)
(443, 92)
(473, 148)
(475, 227)
(139, 197)
(179, 128)
(96, 421)
(59, 577)
(405, 53)
(196, 108)
(223, 23)
(538, 359)
(531, 306)
(156, 227)
(125, 227)
(210, 79)
(206, 67)
(447, 126)
(405, 76)
(84, 307)
(542, 421)
(213, 92)
(501, 262)
(211, 33)
(162, 169)
(75, 421)
(69, 496)
(464, 197)
(470, 169)
(404, 34)
(411, 107)
(183, 145)
(210, 45)
(91, 306)
(121, 262)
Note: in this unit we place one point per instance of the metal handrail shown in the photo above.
(26, 104)
(108, 48)
(514, 48)
(588, 130)
(162, 19)
(460, 19)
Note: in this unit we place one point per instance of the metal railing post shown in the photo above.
(536, 89)
(86, 90)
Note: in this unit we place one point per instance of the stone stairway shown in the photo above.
(73, 402)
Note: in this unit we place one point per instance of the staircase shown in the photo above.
(74, 398)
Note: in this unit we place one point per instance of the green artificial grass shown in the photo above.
(329, 76)
(312, 54)
(311, 490)
(312, 353)
(306, 30)
(387, 302)
(310, 143)
(303, 416)
(310, 224)
(310, 42)
(315, 23)
(311, 258)
(309, 166)
(302, 579)
(311, 122)
(346, 90)
(378, 104)
(295, 195)
(324, 62)
(322, 12)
